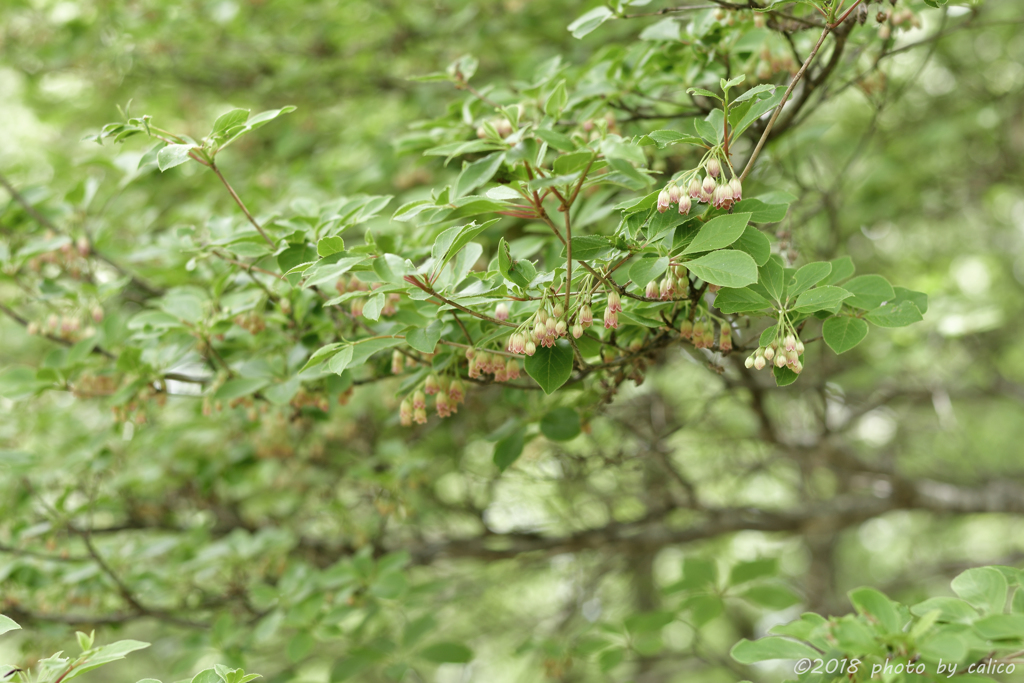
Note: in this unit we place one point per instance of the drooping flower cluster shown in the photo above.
(702, 334)
(675, 283)
(482, 362)
(786, 352)
(447, 393)
(714, 189)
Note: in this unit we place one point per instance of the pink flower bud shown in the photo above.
(759, 363)
(614, 301)
(789, 343)
(780, 361)
(749, 362)
(713, 168)
(443, 405)
(501, 311)
(611, 319)
(792, 357)
(586, 316)
(674, 193)
(419, 415)
(431, 386)
(686, 329)
(405, 412)
(397, 363)
(558, 311)
(694, 190)
(725, 339)
(769, 353)
(560, 328)
(577, 331)
(663, 201)
(797, 367)
(651, 291)
(470, 352)
(530, 348)
(97, 314)
(668, 287)
(707, 189)
(457, 391)
(737, 189)
(799, 347)
(419, 401)
(685, 204)
(550, 326)
(512, 368)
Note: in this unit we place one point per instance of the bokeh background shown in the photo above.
(896, 465)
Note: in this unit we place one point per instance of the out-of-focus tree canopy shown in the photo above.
(212, 362)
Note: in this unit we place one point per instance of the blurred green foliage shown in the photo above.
(689, 510)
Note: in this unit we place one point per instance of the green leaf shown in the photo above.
(919, 299)
(842, 334)
(556, 100)
(232, 119)
(281, 394)
(741, 300)
(772, 276)
(591, 20)
(330, 245)
(784, 376)
(755, 243)
(842, 270)
(772, 647)
(869, 291)
(365, 348)
(508, 450)
(451, 241)
(808, 276)
(703, 93)
(1000, 626)
(984, 588)
(611, 658)
(550, 367)
(950, 609)
(447, 653)
(756, 110)
(648, 268)
(762, 212)
(242, 386)
(770, 596)
(726, 268)
(879, 608)
(173, 155)
(895, 315)
(588, 247)
(560, 424)
(719, 233)
(207, 676)
(105, 655)
(477, 173)
(743, 572)
(424, 339)
(340, 361)
(820, 298)
(7, 624)
(756, 90)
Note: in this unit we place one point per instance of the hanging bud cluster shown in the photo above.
(701, 333)
(448, 394)
(612, 310)
(714, 189)
(673, 194)
(784, 352)
(251, 322)
(483, 363)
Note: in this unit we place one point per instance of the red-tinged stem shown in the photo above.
(785, 98)
(241, 205)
